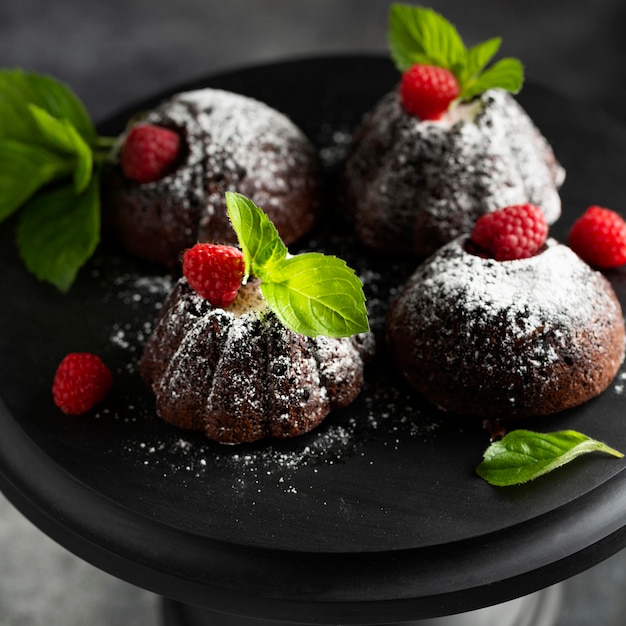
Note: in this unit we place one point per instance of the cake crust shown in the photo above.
(239, 376)
(507, 339)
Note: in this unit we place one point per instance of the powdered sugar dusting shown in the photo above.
(520, 293)
(412, 185)
(385, 413)
(239, 139)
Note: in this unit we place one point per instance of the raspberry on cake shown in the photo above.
(427, 91)
(415, 178)
(161, 200)
(215, 272)
(514, 232)
(261, 365)
(149, 153)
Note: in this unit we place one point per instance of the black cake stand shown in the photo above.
(376, 517)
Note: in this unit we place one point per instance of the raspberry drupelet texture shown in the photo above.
(599, 238)
(81, 381)
(427, 91)
(214, 272)
(514, 232)
(149, 153)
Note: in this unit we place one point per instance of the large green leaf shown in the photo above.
(24, 168)
(19, 89)
(58, 231)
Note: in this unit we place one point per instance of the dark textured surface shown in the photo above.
(113, 53)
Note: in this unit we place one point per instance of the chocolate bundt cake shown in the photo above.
(508, 339)
(239, 375)
(229, 142)
(411, 185)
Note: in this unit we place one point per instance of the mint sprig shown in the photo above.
(523, 455)
(311, 293)
(50, 154)
(420, 35)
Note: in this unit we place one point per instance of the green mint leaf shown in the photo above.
(479, 56)
(60, 134)
(523, 455)
(24, 168)
(420, 35)
(259, 240)
(505, 74)
(314, 294)
(18, 89)
(58, 231)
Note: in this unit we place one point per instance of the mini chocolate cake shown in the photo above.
(239, 375)
(230, 143)
(506, 339)
(410, 185)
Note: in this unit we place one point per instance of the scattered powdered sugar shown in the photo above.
(333, 154)
(619, 383)
(386, 410)
(141, 297)
(385, 413)
(381, 412)
(133, 288)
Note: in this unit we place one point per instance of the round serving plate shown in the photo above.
(377, 516)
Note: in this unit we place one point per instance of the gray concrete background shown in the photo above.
(115, 52)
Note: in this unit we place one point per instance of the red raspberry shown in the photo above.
(214, 272)
(81, 381)
(149, 153)
(427, 91)
(514, 232)
(599, 238)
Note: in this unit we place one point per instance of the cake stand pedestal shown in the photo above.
(538, 609)
(378, 516)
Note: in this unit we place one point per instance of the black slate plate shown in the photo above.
(376, 516)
